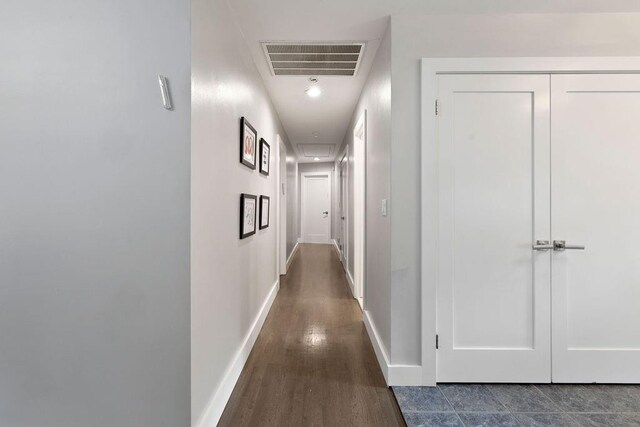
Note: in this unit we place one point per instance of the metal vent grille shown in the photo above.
(309, 59)
(323, 151)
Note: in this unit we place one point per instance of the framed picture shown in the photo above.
(265, 152)
(264, 211)
(248, 209)
(248, 144)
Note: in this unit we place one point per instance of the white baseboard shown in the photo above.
(335, 243)
(393, 374)
(213, 411)
(351, 285)
(293, 252)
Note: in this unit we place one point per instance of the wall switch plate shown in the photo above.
(383, 209)
(164, 90)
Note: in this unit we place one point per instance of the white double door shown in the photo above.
(526, 161)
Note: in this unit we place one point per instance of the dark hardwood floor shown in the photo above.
(313, 363)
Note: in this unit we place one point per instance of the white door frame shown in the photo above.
(303, 201)
(431, 68)
(281, 208)
(344, 224)
(360, 208)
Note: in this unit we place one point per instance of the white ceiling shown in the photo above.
(355, 20)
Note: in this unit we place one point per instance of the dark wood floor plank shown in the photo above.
(313, 363)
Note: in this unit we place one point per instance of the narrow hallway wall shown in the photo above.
(376, 100)
(232, 280)
(94, 216)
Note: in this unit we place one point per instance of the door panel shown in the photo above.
(493, 289)
(317, 209)
(596, 203)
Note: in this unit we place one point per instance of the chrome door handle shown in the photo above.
(561, 245)
(542, 245)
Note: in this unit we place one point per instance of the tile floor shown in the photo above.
(520, 405)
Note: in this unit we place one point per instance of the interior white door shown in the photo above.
(316, 209)
(493, 292)
(596, 203)
(343, 210)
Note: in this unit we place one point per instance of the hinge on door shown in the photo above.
(437, 107)
(437, 341)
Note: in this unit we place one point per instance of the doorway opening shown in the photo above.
(359, 212)
(316, 207)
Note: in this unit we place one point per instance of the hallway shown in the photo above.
(313, 363)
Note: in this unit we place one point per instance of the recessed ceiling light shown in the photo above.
(315, 134)
(317, 159)
(314, 91)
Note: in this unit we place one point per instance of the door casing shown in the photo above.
(281, 200)
(342, 171)
(359, 208)
(431, 68)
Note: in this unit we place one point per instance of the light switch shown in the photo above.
(383, 209)
(164, 91)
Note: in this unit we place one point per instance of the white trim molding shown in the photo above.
(398, 375)
(335, 243)
(293, 252)
(213, 411)
(351, 285)
(431, 68)
(281, 206)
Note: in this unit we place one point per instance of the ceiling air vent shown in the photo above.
(313, 59)
(316, 150)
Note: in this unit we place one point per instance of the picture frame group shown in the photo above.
(254, 211)
(249, 148)
(253, 215)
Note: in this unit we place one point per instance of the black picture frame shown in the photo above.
(248, 144)
(264, 199)
(246, 216)
(265, 150)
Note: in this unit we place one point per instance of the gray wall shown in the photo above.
(94, 223)
(230, 278)
(376, 100)
(416, 37)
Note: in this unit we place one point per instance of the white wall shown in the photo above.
(416, 37)
(376, 100)
(230, 278)
(94, 217)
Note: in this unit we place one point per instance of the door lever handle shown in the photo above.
(542, 245)
(561, 245)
